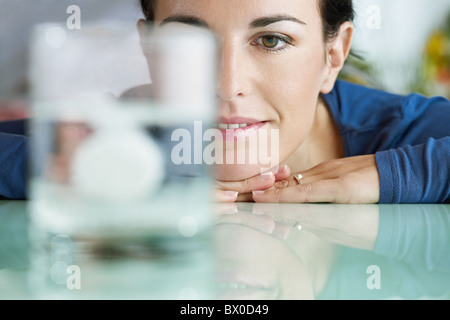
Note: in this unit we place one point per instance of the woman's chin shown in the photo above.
(227, 172)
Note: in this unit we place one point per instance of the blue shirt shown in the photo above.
(410, 136)
(13, 159)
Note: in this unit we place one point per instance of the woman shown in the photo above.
(339, 142)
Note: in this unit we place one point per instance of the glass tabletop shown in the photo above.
(248, 252)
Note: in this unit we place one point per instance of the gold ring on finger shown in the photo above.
(299, 178)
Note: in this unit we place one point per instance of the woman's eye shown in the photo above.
(273, 43)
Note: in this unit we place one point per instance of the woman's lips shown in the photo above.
(238, 128)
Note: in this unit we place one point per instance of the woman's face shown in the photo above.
(273, 67)
(252, 265)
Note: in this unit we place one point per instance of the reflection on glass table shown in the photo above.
(253, 251)
(289, 251)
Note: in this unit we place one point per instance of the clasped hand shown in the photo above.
(349, 180)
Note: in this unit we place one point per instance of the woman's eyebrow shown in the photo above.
(257, 23)
(190, 20)
(265, 21)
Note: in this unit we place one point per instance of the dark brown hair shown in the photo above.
(334, 13)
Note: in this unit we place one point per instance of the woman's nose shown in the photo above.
(232, 74)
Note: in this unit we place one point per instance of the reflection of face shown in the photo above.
(273, 67)
(256, 266)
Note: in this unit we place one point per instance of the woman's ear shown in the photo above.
(337, 52)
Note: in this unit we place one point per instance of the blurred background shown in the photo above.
(405, 45)
(17, 19)
(402, 45)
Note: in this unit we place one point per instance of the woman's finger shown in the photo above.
(260, 182)
(283, 173)
(241, 191)
(225, 196)
(324, 191)
(327, 170)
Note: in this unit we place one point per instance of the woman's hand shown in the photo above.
(355, 226)
(241, 191)
(349, 180)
